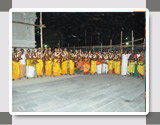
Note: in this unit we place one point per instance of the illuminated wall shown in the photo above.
(23, 35)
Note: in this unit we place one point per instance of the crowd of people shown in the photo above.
(45, 62)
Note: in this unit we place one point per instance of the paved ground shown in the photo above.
(79, 93)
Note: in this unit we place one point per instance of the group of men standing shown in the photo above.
(62, 62)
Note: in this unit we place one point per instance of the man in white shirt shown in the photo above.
(105, 63)
(22, 64)
(138, 54)
(124, 68)
(129, 53)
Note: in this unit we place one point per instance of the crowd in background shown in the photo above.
(45, 62)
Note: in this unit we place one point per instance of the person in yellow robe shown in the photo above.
(15, 65)
(131, 65)
(48, 67)
(15, 70)
(110, 66)
(57, 63)
(93, 64)
(65, 67)
(117, 59)
(56, 68)
(39, 63)
(71, 67)
(117, 67)
(93, 67)
(141, 66)
(64, 62)
(110, 63)
(48, 64)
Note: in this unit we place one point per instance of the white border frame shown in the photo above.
(78, 10)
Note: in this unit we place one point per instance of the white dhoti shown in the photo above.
(30, 71)
(104, 68)
(124, 67)
(99, 69)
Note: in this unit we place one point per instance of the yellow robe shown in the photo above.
(71, 67)
(48, 67)
(110, 66)
(56, 68)
(15, 70)
(93, 67)
(141, 69)
(117, 67)
(65, 67)
(30, 62)
(131, 67)
(39, 67)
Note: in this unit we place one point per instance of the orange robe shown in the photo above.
(86, 66)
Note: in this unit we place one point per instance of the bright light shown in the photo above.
(74, 36)
(45, 46)
(126, 38)
(127, 43)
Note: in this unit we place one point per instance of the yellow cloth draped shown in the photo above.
(110, 66)
(30, 62)
(141, 69)
(15, 70)
(117, 67)
(56, 68)
(93, 67)
(71, 67)
(65, 67)
(39, 67)
(48, 67)
(131, 67)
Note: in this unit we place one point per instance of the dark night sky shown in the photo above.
(73, 25)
